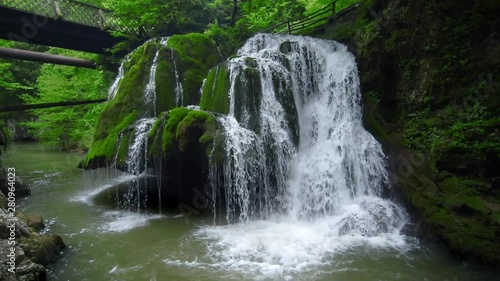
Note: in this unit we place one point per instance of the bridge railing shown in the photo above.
(73, 11)
(317, 18)
(293, 26)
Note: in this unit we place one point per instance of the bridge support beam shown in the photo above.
(43, 57)
(23, 107)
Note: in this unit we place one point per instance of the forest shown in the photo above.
(304, 140)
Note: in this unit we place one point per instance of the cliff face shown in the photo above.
(430, 79)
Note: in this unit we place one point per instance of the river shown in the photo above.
(106, 244)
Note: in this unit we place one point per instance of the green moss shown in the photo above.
(456, 212)
(105, 148)
(371, 122)
(165, 81)
(215, 95)
(196, 54)
(125, 108)
(122, 153)
(180, 129)
(196, 120)
(175, 116)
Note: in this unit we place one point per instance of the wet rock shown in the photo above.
(42, 249)
(21, 189)
(34, 221)
(32, 250)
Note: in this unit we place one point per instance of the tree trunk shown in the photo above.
(235, 12)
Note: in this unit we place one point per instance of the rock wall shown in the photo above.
(430, 79)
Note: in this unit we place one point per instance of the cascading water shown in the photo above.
(298, 204)
(150, 92)
(179, 91)
(137, 164)
(121, 72)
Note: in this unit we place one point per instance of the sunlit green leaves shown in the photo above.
(67, 127)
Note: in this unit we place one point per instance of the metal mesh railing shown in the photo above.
(74, 11)
(318, 18)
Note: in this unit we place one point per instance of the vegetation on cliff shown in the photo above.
(430, 73)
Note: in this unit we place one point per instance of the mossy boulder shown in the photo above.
(182, 65)
(180, 147)
(175, 131)
(196, 54)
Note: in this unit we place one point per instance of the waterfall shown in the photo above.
(299, 190)
(336, 161)
(137, 163)
(121, 72)
(179, 91)
(150, 92)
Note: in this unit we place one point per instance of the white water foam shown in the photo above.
(119, 221)
(87, 195)
(299, 207)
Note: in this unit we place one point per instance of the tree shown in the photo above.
(262, 13)
(67, 127)
(163, 17)
(234, 13)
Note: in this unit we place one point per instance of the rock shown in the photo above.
(21, 189)
(33, 251)
(35, 221)
(43, 249)
(184, 63)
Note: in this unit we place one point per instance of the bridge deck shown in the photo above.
(61, 23)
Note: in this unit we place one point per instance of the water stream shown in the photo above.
(105, 244)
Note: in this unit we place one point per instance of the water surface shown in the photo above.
(106, 244)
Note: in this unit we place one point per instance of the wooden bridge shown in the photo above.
(66, 24)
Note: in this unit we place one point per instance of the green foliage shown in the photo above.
(68, 127)
(229, 39)
(261, 14)
(314, 5)
(454, 130)
(162, 17)
(17, 78)
(216, 90)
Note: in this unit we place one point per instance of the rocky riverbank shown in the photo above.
(22, 245)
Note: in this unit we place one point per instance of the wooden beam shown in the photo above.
(43, 57)
(23, 107)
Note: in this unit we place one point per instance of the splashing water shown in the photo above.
(298, 204)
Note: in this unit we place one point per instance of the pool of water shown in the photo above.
(108, 244)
